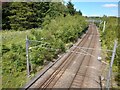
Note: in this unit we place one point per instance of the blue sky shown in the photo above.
(97, 8)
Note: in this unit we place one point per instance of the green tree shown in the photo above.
(27, 15)
(5, 14)
(71, 9)
(79, 12)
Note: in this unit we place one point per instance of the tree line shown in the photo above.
(27, 15)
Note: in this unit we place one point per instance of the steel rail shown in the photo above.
(28, 85)
(63, 64)
(60, 75)
(82, 61)
(88, 63)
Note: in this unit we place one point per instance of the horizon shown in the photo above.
(96, 9)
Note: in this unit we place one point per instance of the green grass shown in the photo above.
(18, 37)
(14, 78)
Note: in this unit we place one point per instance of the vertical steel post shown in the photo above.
(104, 26)
(111, 64)
(27, 56)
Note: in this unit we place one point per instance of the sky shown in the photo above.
(96, 7)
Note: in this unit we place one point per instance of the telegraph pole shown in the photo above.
(111, 64)
(27, 56)
(104, 26)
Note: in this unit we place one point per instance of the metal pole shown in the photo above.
(100, 23)
(104, 26)
(27, 56)
(111, 64)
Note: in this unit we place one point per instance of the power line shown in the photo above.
(94, 49)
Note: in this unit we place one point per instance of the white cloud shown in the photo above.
(110, 5)
(93, 0)
(94, 15)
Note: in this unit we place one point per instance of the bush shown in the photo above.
(54, 37)
(5, 49)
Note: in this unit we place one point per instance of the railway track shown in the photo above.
(72, 70)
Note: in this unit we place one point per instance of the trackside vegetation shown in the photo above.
(55, 25)
(110, 34)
